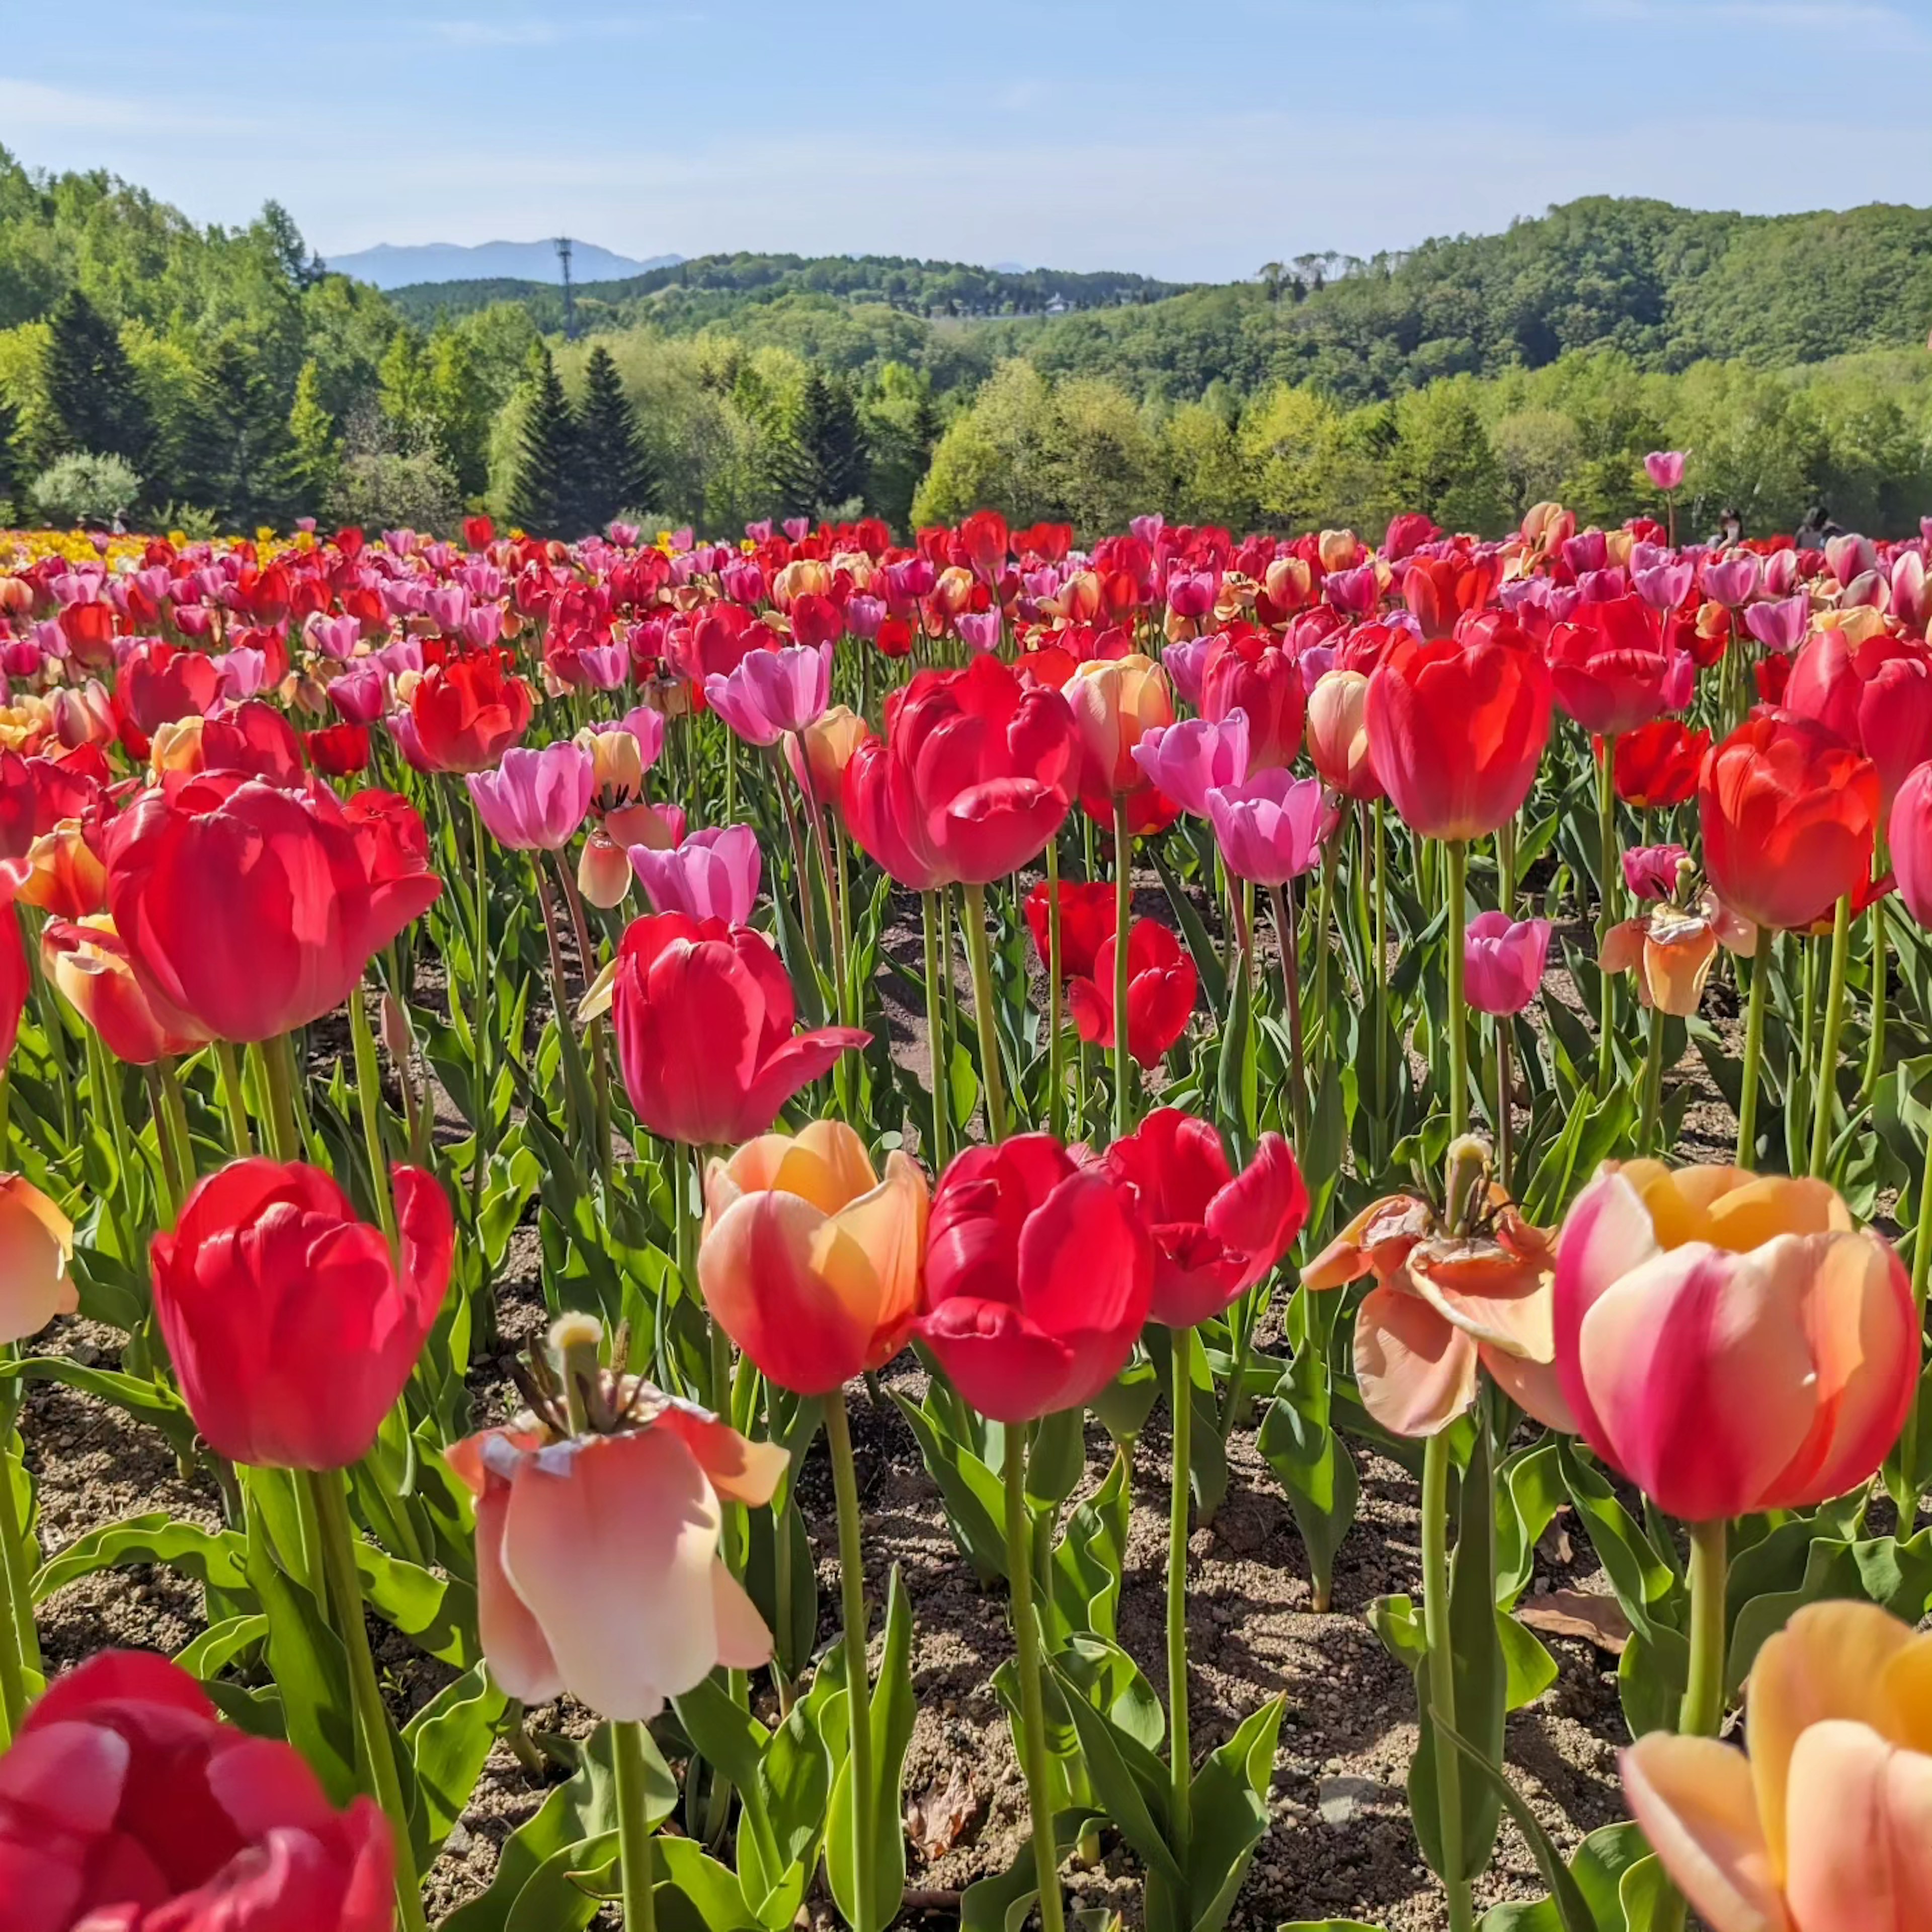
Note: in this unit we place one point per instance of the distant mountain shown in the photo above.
(389, 266)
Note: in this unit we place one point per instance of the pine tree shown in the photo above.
(94, 401)
(312, 434)
(833, 444)
(459, 408)
(238, 459)
(541, 495)
(613, 474)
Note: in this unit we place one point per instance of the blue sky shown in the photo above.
(1190, 141)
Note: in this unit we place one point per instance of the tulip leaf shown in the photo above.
(893, 1709)
(217, 1558)
(1129, 1780)
(437, 1614)
(1601, 1869)
(1530, 1668)
(1193, 928)
(1057, 1459)
(1646, 1585)
(218, 1646)
(697, 1894)
(150, 1402)
(1529, 1492)
(971, 1493)
(1298, 1442)
(1004, 1902)
(310, 1670)
(447, 1741)
(1090, 1558)
(1229, 1813)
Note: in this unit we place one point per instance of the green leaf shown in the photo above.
(448, 1741)
(1004, 1902)
(1645, 1584)
(971, 1493)
(150, 1403)
(310, 1671)
(219, 1645)
(1529, 1667)
(1129, 1779)
(893, 1709)
(1311, 1463)
(1229, 1815)
(1601, 1866)
(215, 1557)
(697, 1894)
(437, 1613)
(1207, 954)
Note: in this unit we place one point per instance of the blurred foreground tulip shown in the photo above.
(809, 1262)
(1215, 1233)
(36, 1243)
(1729, 1342)
(1820, 1824)
(1039, 1278)
(597, 1519)
(126, 1805)
(291, 1331)
(704, 1017)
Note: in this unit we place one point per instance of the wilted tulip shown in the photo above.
(1039, 1278)
(809, 1262)
(1459, 728)
(291, 1329)
(125, 1803)
(1729, 1342)
(36, 1243)
(1503, 961)
(703, 1016)
(1215, 1233)
(1789, 816)
(1819, 1826)
(713, 873)
(597, 1572)
(1162, 983)
(534, 801)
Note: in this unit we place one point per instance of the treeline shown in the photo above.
(220, 379)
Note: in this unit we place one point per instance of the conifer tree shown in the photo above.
(833, 444)
(613, 473)
(10, 451)
(239, 458)
(541, 494)
(94, 401)
(312, 434)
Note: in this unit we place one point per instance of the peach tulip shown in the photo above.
(1671, 949)
(1338, 734)
(1445, 1304)
(809, 1262)
(1729, 1341)
(36, 1242)
(1113, 701)
(597, 1565)
(1824, 1823)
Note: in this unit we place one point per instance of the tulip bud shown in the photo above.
(398, 1037)
(819, 754)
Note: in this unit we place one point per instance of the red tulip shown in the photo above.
(467, 714)
(704, 1016)
(1215, 1233)
(1457, 728)
(1162, 983)
(1038, 1277)
(1441, 591)
(292, 1331)
(1086, 923)
(255, 740)
(1788, 814)
(975, 775)
(1610, 667)
(1250, 672)
(252, 908)
(160, 683)
(339, 751)
(1876, 696)
(1657, 764)
(126, 1805)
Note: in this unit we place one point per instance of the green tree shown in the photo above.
(613, 472)
(316, 453)
(833, 443)
(459, 408)
(1443, 463)
(95, 402)
(541, 492)
(10, 451)
(239, 458)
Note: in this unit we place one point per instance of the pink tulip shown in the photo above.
(1187, 760)
(335, 638)
(713, 874)
(1183, 663)
(772, 692)
(979, 630)
(535, 800)
(647, 727)
(1729, 1342)
(1651, 871)
(1666, 586)
(1850, 555)
(1732, 583)
(1781, 626)
(1665, 468)
(1503, 961)
(1271, 827)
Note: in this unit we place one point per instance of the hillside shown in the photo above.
(390, 265)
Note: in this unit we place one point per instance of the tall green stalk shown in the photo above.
(1653, 1083)
(1458, 1033)
(1181, 1763)
(1824, 1095)
(1124, 872)
(1032, 1699)
(1056, 995)
(1702, 1714)
(1746, 1153)
(938, 1045)
(852, 1604)
(1607, 826)
(16, 1601)
(636, 1855)
(369, 1098)
(228, 1072)
(990, 1072)
(1442, 1671)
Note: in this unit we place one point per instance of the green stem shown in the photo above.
(990, 1072)
(479, 1016)
(1505, 1126)
(173, 1185)
(1459, 1031)
(635, 1852)
(369, 1098)
(1123, 880)
(18, 1605)
(1289, 939)
(1607, 820)
(1442, 1663)
(1703, 1709)
(1906, 1492)
(935, 1032)
(1181, 1764)
(1033, 1701)
(1753, 1050)
(331, 1500)
(278, 1079)
(1827, 1092)
(241, 1137)
(852, 1603)
(1875, 1044)
(1653, 1083)
(1056, 1046)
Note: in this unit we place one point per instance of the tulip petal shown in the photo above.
(739, 1470)
(1606, 1234)
(513, 1644)
(1418, 1373)
(743, 1642)
(1534, 1386)
(1859, 1821)
(1002, 1364)
(610, 1544)
(1499, 1297)
(1692, 1798)
(805, 1058)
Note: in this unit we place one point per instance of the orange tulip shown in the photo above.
(1729, 1341)
(1824, 1823)
(88, 960)
(809, 1262)
(36, 1241)
(65, 876)
(819, 754)
(1114, 700)
(1671, 949)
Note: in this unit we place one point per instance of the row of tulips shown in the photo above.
(1399, 1187)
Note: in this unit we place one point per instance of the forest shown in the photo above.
(153, 368)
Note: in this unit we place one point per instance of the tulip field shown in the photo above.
(1148, 1228)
